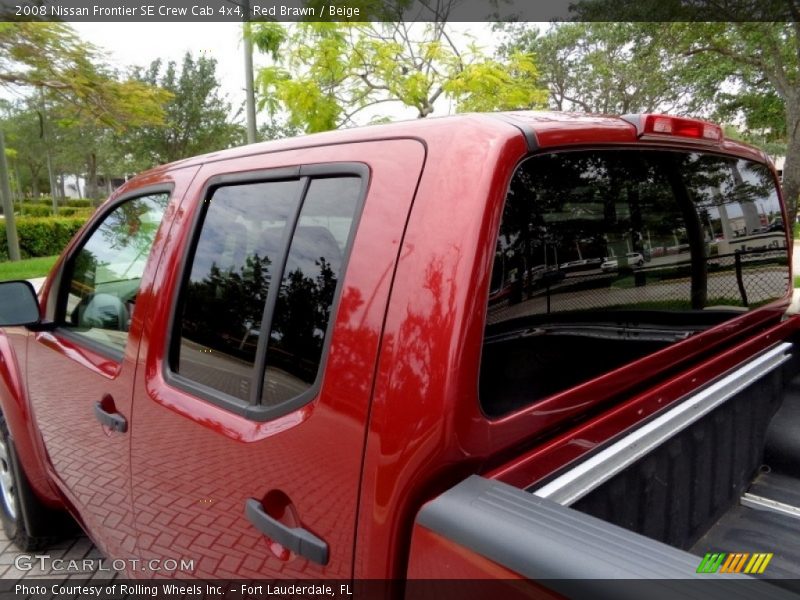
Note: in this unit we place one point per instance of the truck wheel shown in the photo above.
(17, 498)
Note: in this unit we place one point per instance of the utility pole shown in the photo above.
(8, 206)
(250, 102)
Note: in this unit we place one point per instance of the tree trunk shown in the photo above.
(791, 166)
(62, 191)
(91, 179)
(34, 181)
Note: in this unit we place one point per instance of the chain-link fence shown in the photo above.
(743, 279)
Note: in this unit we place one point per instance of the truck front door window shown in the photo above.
(106, 272)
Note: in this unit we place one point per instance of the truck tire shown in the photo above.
(18, 503)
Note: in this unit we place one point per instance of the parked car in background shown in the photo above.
(584, 264)
(632, 259)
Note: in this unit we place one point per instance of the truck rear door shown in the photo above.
(251, 412)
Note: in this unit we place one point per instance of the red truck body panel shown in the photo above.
(397, 419)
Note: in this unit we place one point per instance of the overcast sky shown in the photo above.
(140, 43)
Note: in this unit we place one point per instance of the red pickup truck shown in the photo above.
(392, 352)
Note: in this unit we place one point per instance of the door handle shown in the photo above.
(113, 420)
(297, 539)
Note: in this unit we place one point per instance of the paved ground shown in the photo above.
(77, 549)
(37, 282)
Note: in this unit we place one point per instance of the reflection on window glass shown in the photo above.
(107, 271)
(606, 256)
(223, 300)
(307, 289)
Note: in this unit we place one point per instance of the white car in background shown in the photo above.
(635, 259)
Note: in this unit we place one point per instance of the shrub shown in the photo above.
(69, 211)
(77, 203)
(42, 236)
(71, 202)
(34, 210)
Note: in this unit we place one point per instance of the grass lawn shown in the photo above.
(26, 269)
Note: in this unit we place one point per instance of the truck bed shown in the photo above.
(730, 482)
(749, 525)
(717, 473)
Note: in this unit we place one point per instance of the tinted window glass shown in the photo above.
(222, 305)
(313, 268)
(107, 270)
(606, 256)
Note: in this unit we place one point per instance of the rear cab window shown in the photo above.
(606, 256)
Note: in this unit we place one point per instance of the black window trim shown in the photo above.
(57, 303)
(252, 409)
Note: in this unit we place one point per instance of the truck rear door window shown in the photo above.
(224, 296)
(259, 288)
(605, 256)
(313, 268)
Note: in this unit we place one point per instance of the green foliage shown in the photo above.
(78, 202)
(197, 119)
(42, 236)
(324, 74)
(43, 207)
(607, 68)
(78, 106)
(79, 213)
(35, 210)
(760, 61)
(274, 130)
(72, 202)
(51, 56)
(23, 132)
(27, 268)
(743, 71)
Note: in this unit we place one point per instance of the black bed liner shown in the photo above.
(746, 529)
(728, 483)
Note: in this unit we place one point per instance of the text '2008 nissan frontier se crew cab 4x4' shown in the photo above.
(520, 345)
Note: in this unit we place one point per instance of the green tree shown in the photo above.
(324, 74)
(745, 68)
(22, 125)
(50, 56)
(761, 62)
(608, 68)
(53, 57)
(197, 118)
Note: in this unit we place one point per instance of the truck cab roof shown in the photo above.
(541, 130)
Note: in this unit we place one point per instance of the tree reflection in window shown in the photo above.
(222, 304)
(106, 272)
(306, 296)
